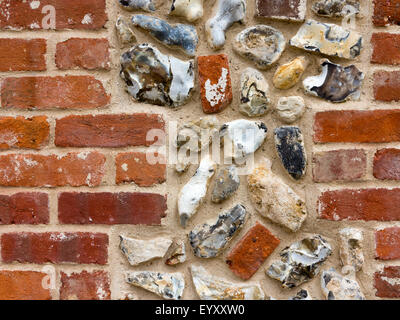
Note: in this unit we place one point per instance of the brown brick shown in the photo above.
(387, 85)
(387, 164)
(386, 12)
(387, 244)
(386, 48)
(387, 282)
(281, 9)
(26, 55)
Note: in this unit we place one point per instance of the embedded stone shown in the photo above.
(177, 254)
(180, 36)
(290, 109)
(210, 239)
(245, 137)
(275, 200)
(300, 262)
(156, 78)
(215, 82)
(301, 295)
(182, 165)
(166, 285)
(209, 287)
(225, 14)
(261, 44)
(291, 10)
(226, 184)
(124, 32)
(337, 287)
(145, 5)
(336, 8)
(289, 143)
(289, 74)
(191, 10)
(329, 39)
(335, 83)
(193, 193)
(350, 244)
(254, 91)
(139, 251)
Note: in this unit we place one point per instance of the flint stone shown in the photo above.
(301, 295)
(289, 74)
(254, 98)
(145, 5)
(335, 83)
(166, 285)
(350, 243)
(336, 8)
(261, 44)
(226, 184)
(329, 39)
(156, 78)
(209, 287)
(193, 193)
(225, 14)
(336, 287)
(124, 32)
(290, 109)
(182, 36)
(300, 262)
(177, 254)
(139, 251)
(289, 143)
(275, 200)
(210, 239)
(191, 10)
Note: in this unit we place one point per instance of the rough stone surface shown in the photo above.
(301, 295)
(275, 200)
(226, 183)
(300, 262)
(290, 109)
(176, 254)
(261, 44)
(210, 239)
(336, 8)
(145, 5)
(209, 287)
(337, 287)
(191, 10)
(124, 32)
(351, 248)
(289, 74)
(292, 10)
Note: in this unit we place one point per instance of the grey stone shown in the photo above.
(337, 287)
(124, 32)
(336, 8)
(191, 10)
(177, 254)
(290, 109)
(146, 5)
(210, 239)
(301, 295)
(226, 184)
(351, 248)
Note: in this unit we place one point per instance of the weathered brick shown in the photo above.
(387, 282)
(360, 204)
(251, 251)
(54, 247)
(71, 14)
(27, 55)
(134, 167)
(387, 244)
(386, 12)
(385, 48)
(387, 164)
(375, 126)
(90, 54)
(342, 165)
(69, 92)
(281, 9)
(25, 133)
(35, 170)
(215, 82)
(121, 130)
(387, 85)
(111, 208)
(85, 286)
(23, 285)
(24, 208)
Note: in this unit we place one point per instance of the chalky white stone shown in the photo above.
(139, 251)
(350, 243)
(166, 285)
(193, 193)
(145, 5)
(274, 199)
(191, 10)
(337, 287)
(225, 14)
(290, 109)
(124, 32)
(209, 287)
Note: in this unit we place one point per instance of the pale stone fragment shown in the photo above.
(290, 109)
(124, 32)
(145, 5)
(337, 287)
(227, 182)
(177, 254)
(191, 10)
(350, 243)
(289, 74)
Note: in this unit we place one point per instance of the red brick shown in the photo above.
(18, 14)
(387, 244)
(251, 251)
(111, 208)
(211, 73)
(344, 165)
(26, 55)
(386, 48)
(386, 12)
(387, 164)
(387, 85)
(280, 9)
(134, 167)
(24, 208)
(23, 285)
(90, 54)
(360, 204)
(26, 133)
(375, 126)
(387, 282)
(121, 130)
(54, 247)
(35, 170)
(70, 92)
(85, 286)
